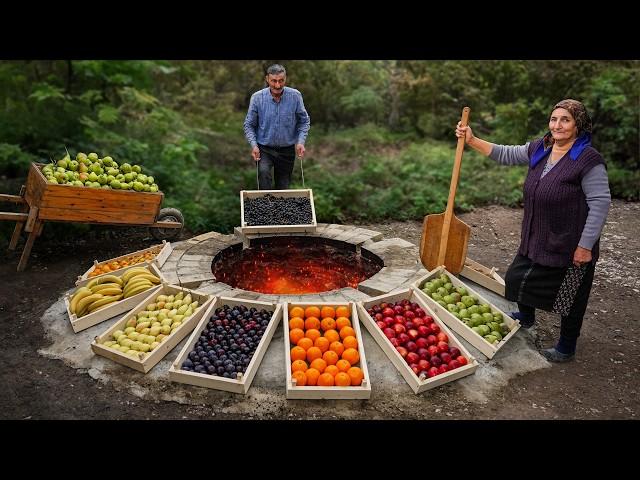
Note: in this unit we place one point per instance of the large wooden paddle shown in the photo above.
(444, 236)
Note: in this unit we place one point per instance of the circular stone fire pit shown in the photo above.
(384, 264)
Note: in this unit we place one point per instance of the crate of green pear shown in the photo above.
(101, 298)
(466, 312)
(226, 348)
(143, 337)
(94, 172)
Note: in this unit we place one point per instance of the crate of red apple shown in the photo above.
(418, 343)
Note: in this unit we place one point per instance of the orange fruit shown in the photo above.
(296, 312)
(350, 342)
(332, 335)
(347, 332)
(298, 353)
(319, 365)
(312, 323)
(313, 334)
(342, 380)
(337, 347)
(325, 380)
(299, 365)
(343, 311)
(301, 378)
(295, 335)
(332, 370)
(351, 355)
(312, 376)
(322, 343)
(330, 357)
(296, 322)
(356, 376)
(343, 365)
(305, 343)
(342, 322)
(328, 312)
(328, 323)
(312, 311)
(313, 353)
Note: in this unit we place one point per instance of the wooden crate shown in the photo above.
(417, 383)
(82, 323)
(488, 278)
(456, 325)
(161, 257)
(310, 227)
(150, 359)
(67, 203)
(243, 382)
(362, 391)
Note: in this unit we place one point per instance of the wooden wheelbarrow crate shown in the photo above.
(42, 201)
(417, 383)
(242, 383)
(487, 349)
(146, 361)
(362, 391)
(250, 194)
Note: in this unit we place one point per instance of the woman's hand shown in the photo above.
(581, 256)
(255, 154)
(464, 131)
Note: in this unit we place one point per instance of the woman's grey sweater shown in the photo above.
(595, 185)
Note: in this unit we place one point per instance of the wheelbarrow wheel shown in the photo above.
(169, 215)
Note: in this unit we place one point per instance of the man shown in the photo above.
(276, 127)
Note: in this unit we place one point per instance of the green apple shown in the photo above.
(485, 308)
(92, 156)
(462, 291)
(136, 168)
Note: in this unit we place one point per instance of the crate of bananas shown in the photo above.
(98, 299)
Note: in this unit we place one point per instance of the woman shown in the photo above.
(566, 201)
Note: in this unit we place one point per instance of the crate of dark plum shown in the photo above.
(277, 211)
(225, 349)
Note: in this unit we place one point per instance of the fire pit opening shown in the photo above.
(294, 265)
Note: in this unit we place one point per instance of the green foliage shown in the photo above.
(13, 161)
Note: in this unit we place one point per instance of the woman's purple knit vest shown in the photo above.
(555, 209)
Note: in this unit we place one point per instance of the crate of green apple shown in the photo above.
(466, 312)
(418, 343)
(225, 349)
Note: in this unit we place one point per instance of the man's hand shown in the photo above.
(581, 256)
(255, 153)
(300, 150)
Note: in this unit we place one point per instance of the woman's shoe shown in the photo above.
(554, 355)
(518, 316)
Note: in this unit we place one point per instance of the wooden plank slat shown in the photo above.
(31, 220)
(11, 198)
(125, 218)
(14, 217)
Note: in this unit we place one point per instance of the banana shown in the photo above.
(110, 278)
(109, 291)
(86, 301)
(147, 284)
(77, 296)
(148, 276)
(138, 289)
(105, 286)
(103, 302)
(136, 280)
(132, 272)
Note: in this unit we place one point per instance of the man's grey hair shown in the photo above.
(276, 69)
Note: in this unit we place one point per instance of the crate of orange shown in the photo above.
(324, 352)
(418, 343)
(156, 254)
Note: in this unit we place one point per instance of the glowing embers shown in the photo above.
(293, 265)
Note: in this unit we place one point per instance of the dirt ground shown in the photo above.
(602, 383)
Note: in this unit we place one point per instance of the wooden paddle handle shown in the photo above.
(452, 189)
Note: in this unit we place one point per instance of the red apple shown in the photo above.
(435, 328)
(415, 368)
(403, 338)
(428, 320)
(388, 312)
(412, 357)
(389, 332)
(424, 365)
(443, 347)
(443, 368)
(394, 341)
(419, 312)
(379, 316)
(417, 321)
(446, 357)
(402, 351)
(424, 330)
(376, 308)
(404, 302)
(399, 319)
(413, 333)
(455, 353)
(432, 372)
(411, 346)
(388, 321)
(442, 337)
(410, 325)
(435, 361)
(432, 339)
(399, 328)
(371, 312)
(414, 305)
(398, 309)
(381, 325)
(422, 342)
(423, 353)
(382, 306)
(433, 350)
(461, 360)
(453, 364)
(410, 314)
